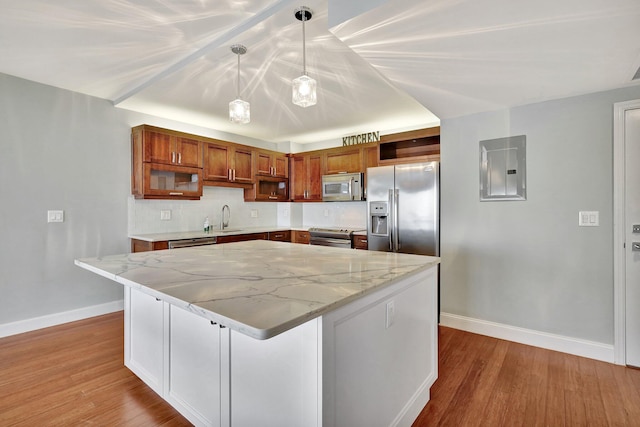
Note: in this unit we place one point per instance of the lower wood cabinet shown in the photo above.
(300, 236)
(144, 246)
(280, 236)
(360, 242)
(242, 237)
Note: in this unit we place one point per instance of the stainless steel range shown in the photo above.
(337, 237)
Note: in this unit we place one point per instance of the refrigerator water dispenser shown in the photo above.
(379, 212)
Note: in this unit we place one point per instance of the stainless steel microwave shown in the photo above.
(342, 187)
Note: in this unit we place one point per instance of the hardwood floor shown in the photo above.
(73, 375)
(489, 382)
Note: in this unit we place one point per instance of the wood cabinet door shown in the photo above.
(158, 147)
(242, 165)
(281, 165)
(314, 178)
(306, 179)
(298, 177)
(344, 161)
(216, 162)
(263, 163)
(300, 236)
(189, 152)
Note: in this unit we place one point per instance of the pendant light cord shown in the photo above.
(304, 45)
(238, 91)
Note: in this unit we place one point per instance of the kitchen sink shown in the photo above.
(230, 230)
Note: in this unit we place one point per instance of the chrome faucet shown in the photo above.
(224, 223)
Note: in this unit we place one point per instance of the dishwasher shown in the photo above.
(187, 243)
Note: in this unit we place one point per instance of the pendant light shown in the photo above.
(304, 87)
(239, 110)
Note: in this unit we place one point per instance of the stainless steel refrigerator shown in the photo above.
(403, 208)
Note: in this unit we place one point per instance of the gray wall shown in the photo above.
(59, 150)
(63, 150)
(527, 263)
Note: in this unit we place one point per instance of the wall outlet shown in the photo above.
(55, 216)
(254, 213)
(391, 314)
(165, 215)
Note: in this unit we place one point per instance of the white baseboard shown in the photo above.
(578, 347)
(28, 325)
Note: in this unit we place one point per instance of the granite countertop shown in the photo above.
(259, 288)
(179, 235)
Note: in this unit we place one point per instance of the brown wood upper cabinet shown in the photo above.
(306, 177)
(228, 164)
(165, 164)
(272, 163)
(422, 145)
(343, 160)
(168, 147)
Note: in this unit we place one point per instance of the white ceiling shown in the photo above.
(386, 69)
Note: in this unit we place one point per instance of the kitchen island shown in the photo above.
(270, 333)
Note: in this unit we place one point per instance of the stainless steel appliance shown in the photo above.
(403, 209)
(337, 237)
(186, 243)
(342, 187)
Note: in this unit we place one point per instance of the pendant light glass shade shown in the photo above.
(304, 87)
(239, 110)
(304, 91)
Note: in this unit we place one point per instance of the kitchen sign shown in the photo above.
(362, 138)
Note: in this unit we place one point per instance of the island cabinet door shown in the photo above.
(145, 337)
(193, 379)
(274, 382)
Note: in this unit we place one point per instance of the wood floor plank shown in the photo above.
(526, 386)
(74, 374)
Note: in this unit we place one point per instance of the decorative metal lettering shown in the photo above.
(363, 138)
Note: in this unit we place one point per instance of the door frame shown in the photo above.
(619, 251)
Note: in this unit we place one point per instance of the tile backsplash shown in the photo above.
(189, 215)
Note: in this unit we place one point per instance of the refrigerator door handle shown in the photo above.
(396, 221)
(391, 230)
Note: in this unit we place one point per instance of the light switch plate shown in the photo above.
(589, 218)
(165, 215)
(55, 216)
(254, 213)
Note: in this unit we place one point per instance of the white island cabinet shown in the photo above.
(273, 334)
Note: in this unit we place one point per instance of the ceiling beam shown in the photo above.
(224, 38)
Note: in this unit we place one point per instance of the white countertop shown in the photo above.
(260, 288)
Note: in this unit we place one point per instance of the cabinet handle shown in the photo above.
(179, 158)
(173, 157)
(234, 175)
(229, 174)
(273, 197)
(175, 194)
